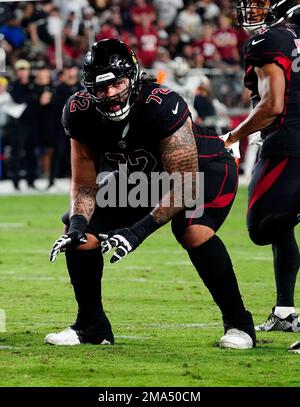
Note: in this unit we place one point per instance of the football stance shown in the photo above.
(124, 117)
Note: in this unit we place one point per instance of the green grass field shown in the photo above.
(166, 325)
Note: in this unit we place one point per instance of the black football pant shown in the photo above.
(211, 259)
(274, 203)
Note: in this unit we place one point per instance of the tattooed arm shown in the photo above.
(83, 199)
(83, 184)
(179, 155)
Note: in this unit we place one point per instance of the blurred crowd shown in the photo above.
(193, 47)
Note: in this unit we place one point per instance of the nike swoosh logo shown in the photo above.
(176, 109)
(254, 42)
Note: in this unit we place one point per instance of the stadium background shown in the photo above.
(192, 46)
(165, 322)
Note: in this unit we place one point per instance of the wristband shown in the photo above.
(145, 227)
(78, 223)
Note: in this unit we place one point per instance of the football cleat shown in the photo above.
(66, 337)
(70, 337)
(295, 347)
(274, 323)
(236, 339)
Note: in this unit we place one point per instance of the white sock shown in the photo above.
(283, 312)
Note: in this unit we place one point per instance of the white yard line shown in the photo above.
(27, 251)
(131, 337)
(178, 263)
(10, 276)
(14, 276)
(175, 326)
(127, 325)
(110, 279)
(263, 258)
(132, 268)
(141, 252)
(12, 225)
(172, 326)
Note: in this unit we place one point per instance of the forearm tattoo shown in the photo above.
(83, 201)
(179, 155)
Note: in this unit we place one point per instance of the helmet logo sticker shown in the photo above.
(105, 77)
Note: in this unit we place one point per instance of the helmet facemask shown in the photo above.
(110, 63)
(252, 14)
(116, 107)
(255, 15)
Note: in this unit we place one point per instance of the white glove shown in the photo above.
(255, 138)
(234, 149)
(65, 242)
(124, 240)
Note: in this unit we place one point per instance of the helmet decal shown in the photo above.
(105, 77)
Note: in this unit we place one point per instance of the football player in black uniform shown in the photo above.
(126, 118)
(272, 75)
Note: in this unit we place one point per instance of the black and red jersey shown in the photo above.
(281, 46)
(158, 114)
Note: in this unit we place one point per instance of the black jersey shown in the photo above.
(279, 45)
(135, 141)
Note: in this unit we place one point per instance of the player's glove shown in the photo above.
(233, 149)
(75, 237)
(255, 138)
(126, 240)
